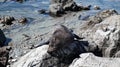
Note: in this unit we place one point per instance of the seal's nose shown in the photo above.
(49, 52)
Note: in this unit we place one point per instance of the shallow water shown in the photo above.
(26, 9)
(104, 4)
(30, 7)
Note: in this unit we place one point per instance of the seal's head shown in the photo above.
(61, 38)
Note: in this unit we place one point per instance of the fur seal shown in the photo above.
(61, 37)
(64, 44)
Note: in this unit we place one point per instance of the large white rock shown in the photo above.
(105, 34)
(33, 58)
(89, 60)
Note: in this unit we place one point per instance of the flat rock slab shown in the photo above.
(90, 60)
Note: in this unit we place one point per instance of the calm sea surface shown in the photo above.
(30, 7)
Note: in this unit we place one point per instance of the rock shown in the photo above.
(52, 62)
(84, 7)
(33, 58)
(20, 1)
(56, 10)
(23, 20)
(107, 13)
(43, 11)
(96, 8)
(90, 60)
(2, 38)
(99, 17)
(7, 20)
(4, 55)
(60, 1)
(54, 1)
(71, 6)
(117, 54)
(103, 32)
(60, 7)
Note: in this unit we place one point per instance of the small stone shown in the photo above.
(23, 20)
(42, 11)
(13, 60)
(96, 8)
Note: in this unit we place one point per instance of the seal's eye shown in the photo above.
(52, 45)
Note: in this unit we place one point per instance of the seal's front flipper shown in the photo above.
(38, 45)
(77, 37)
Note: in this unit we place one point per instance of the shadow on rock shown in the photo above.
(2, 38)
(4, 50)
(4, 55)
(7, 41)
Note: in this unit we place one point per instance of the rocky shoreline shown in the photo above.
(27, 46)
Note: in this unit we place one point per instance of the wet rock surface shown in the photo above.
(43, 11)
(7, 20)
(60, 7)
(23, 20)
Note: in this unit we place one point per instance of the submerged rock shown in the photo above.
(43, 11)
(96, 7)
